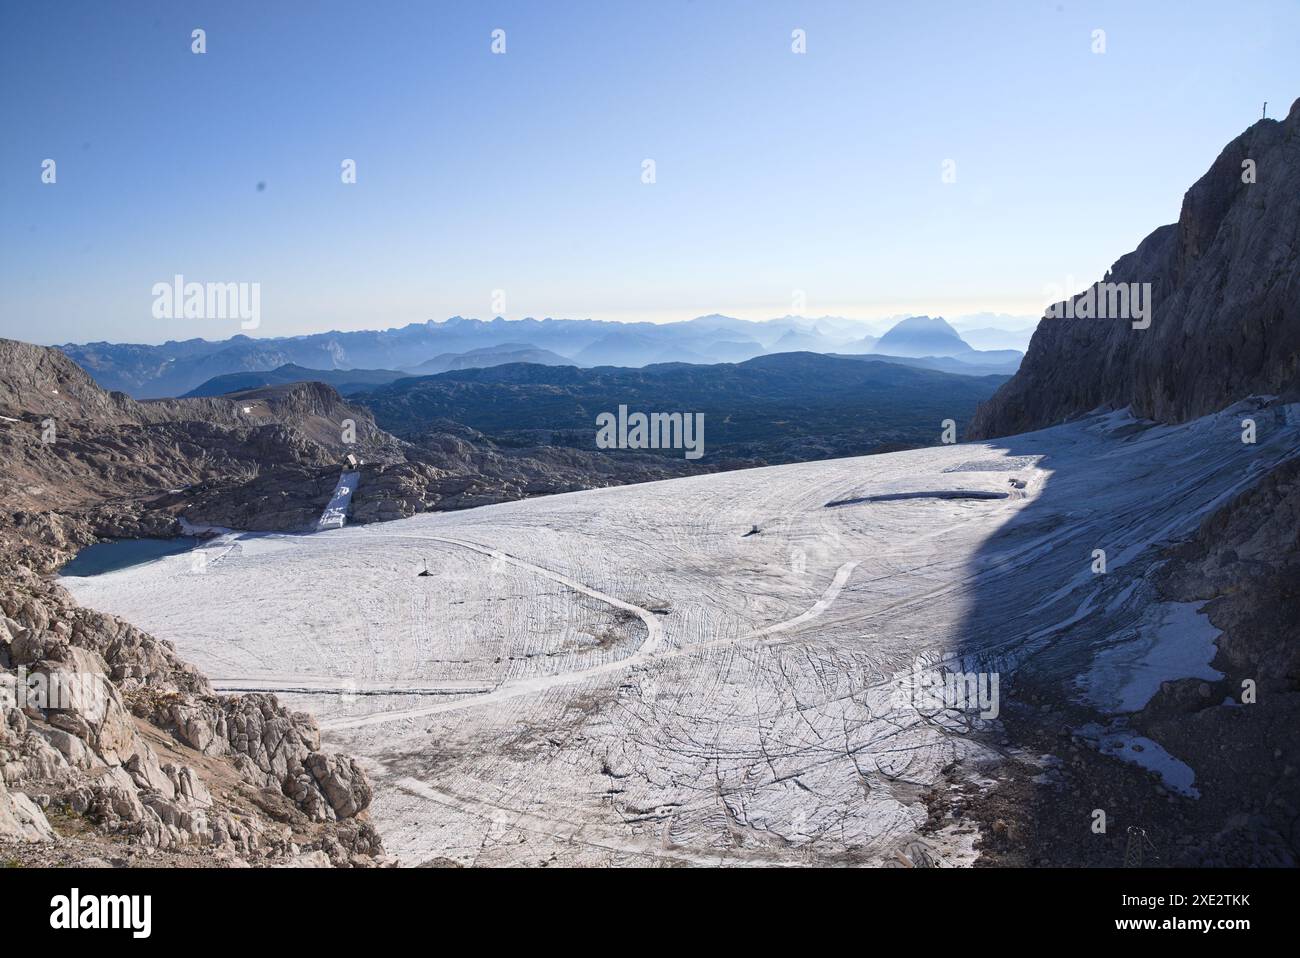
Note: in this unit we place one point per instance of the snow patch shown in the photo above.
(1004, 464)
(1119, 741)
(335, 514)
(1175, 641)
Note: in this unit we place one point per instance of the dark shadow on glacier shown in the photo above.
(1041, 611)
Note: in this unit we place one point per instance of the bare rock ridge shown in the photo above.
(143, 762)
(1225, 286)
(44, 381)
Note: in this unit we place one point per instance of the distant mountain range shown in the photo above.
(200, 367)
(346, 381)
(996, 330)
(779, 408)
(490, 356)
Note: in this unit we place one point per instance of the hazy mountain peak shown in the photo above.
(922, 336)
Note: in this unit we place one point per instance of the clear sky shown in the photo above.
(522, 172)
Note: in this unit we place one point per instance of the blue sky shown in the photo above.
(521, 172)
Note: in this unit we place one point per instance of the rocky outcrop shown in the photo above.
(253, 785)
(20, 819)
(1225, 289)
(38, 379)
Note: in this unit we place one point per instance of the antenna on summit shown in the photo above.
(1264, 116)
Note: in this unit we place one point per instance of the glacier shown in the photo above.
(634, 674)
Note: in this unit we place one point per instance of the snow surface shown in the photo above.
(625, 674)
(336, 510)
(1176, 641)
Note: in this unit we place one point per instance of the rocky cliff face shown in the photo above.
(40, 380)
(1225, 290)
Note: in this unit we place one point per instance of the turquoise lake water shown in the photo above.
(124, 553)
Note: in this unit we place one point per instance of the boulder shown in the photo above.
(21, 819)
